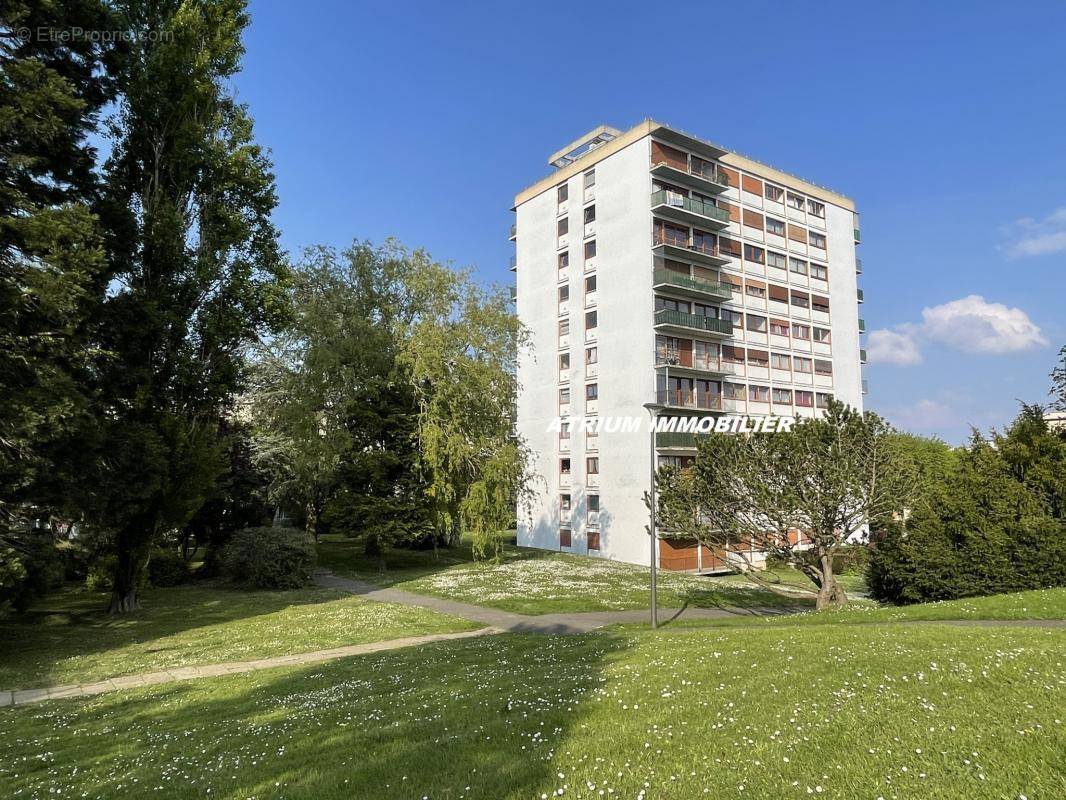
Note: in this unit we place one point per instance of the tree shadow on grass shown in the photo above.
(73, 624)
(477, 719)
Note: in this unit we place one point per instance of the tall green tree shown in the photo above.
(826, 479)
(195, 274)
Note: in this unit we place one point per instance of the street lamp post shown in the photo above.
(653, 413)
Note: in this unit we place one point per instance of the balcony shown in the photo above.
(858, 237)
(862, 325)
(858, 266)
(675, 439)
(514, 293)
(862, 356)
(858, 295)
(667, 318)
(684, 249)
(865, 386)
(691, 287)
(688, 398)
(514, 232)
(514, 263)
(685, 210)
(669, 362)
(702, 177)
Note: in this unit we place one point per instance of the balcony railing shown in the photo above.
(667, 316)
(665, 277)
(862, 325)
(862, 356)
(514, 263)
(858, 236)
(859, 295)
(514, 232)
(858, 266)
(865, 387)
(678, 439)
(514, 292)
(709, 172)
(705, 248)
(664, 197)
(689, 398)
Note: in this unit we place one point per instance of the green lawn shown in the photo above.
(790, 578)
(849, 712)
(541, 582)
(1039, 604)
(69, 639)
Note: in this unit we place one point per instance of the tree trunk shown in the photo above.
(124, 597)
(830, 592)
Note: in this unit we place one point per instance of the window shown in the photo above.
(563, 226)
(590, 179)
(672, 304)
(590, 249)
(733, 355)
(591, 320)
(797, 265)
(775, 259)
(775, 193)
(564, 397)
(775, 226)
(562, 193)
(782, 396)
(821, 335)
(822, 399)
(593, 539)
(592, 466)
(564, 327)
(705, 356)
(778, 328)
(817, 240)
(753, 290)
(733, 316)
(754, 254)
(801, 331)
(564, 361)
(823, 367)
(805, 399)
(593, 501)
(801, 300)
(564, 537)
(564, 260)
(815, 209)
(592, 391)
(801, 364)
(795, 201)
(755, 323)
(590, 284)
(564, 294)
(734, 391)
(820, 303)
(780, 361)
(564, 502)
(819, 272)
(757, 358)
(759, 394)
(564, 466)
(592, 355)
(590, 214)
(564, 430)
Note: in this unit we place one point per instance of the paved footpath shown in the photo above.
(494, 620)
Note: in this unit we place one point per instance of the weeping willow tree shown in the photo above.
(459, 347)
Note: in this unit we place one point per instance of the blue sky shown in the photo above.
(946, 122)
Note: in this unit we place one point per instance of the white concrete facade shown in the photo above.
(628, 340)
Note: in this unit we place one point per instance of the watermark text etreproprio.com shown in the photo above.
(76, 34)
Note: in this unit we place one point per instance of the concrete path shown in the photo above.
(561, 623)
(23, 696)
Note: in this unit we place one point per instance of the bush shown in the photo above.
(30, 571)
(270, 558)
(100, 577)
(167, 568)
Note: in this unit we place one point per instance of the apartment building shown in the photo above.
(654, 266)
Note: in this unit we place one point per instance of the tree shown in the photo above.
(460, 351)
(195, 273)
(797, 496)
(1058, 382)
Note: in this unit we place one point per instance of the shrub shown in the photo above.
(100, 576)
(167, 568)
(270, 558)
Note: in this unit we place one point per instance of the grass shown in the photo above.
(69, 638)
(541, 582)
(851, 711)
(1039, 604)
(790, 578)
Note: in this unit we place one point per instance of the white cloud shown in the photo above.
(973, 325)
(1036, 237)
(925, 415)
(893, 347)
